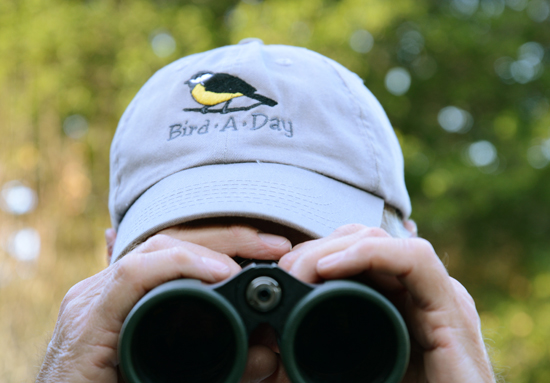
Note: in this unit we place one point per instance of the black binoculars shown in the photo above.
(335, 332)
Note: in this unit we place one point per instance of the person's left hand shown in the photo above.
(447, 345)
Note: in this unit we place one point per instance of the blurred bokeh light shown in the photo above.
(17, 198)
(163, 44)
(538, 10)
(482, 153)
(361, 41)
(454, 119)
(398, 81)
(24, 245)
(75, 126)
(539, 155)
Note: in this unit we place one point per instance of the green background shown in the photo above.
(489, 223)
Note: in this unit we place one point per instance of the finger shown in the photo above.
(305, 266)
(289, 258)
(384, 283)
(234, 240)
(261, 363)
(135, 274)
(161, 242)
(412, 261)
(297, 251)
(82, 288)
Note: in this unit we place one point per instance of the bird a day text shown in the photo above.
(255, 122)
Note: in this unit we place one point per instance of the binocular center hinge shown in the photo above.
(263, 293)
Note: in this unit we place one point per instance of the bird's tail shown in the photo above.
(263, 99)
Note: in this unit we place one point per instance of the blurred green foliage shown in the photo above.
(485, 207)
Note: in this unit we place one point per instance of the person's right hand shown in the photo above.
(84, 344)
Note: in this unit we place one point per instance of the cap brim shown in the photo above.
(303, 200)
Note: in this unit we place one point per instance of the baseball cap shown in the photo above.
(271, 132)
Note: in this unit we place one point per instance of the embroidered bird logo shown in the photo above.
(210, 89)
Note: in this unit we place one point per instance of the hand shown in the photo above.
(447, 345)
(83, 347)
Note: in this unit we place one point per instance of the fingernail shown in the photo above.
(273, 240)
(216, 266)
(330, 261)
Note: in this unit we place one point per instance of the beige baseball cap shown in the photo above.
(271, 132)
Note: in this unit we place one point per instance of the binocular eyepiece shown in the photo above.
(336, 332)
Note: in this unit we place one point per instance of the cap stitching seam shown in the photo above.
(370, 140)
(313, 216)
(118, 215)
(234, 64)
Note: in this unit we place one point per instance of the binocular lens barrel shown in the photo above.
(184, 338)
(339, 332)
(345, 339)
(183, 334)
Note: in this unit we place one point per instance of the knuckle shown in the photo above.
(424, 253)
(154, 242)
(285, 263)
(238, 231)
(303, 247)
(74, 297)
(366, 246)
(466, 302)
(421, 247)
(123, 270)
(179, 255)
(350, 228)
(71, 295)
(462, 292)
(374, 232)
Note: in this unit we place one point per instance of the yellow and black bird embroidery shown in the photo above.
(210, 89)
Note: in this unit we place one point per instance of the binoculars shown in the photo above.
(336, 332)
